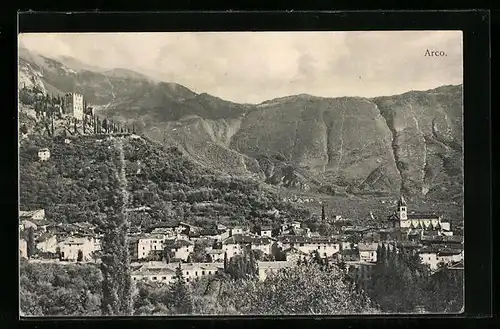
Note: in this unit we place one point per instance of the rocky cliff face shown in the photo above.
(409, 143)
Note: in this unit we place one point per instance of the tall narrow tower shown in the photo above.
(323, 216)
(402, 208)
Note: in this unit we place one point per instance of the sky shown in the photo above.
(251, 67)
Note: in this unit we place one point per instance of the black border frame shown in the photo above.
(475, 25)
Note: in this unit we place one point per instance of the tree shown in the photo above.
(23, 129)
(243, 266)
(80, 256)
(30, 250)
(225, 262)
(180, 296)
(115, 266)
(314, 291)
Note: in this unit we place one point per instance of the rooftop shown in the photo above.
(275, 265)
(177, 243)
(442, 238)
(422, 215)
(367, 246)
(246, 238)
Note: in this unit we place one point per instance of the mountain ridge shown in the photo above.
(401, 143)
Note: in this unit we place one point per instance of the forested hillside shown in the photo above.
(74, 185)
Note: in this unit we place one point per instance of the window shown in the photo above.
(155, 278)
(202, 272)
(209, 272)
(324, 254)
(301, 244)
(196, 273)
(187, 273)
(135, 278)
(319, 247)
(164, 278)
(234, 247)
(324, 247)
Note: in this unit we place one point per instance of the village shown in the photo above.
(157, 252)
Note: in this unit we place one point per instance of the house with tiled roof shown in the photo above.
(236, 244)
(434, 256)
(144, 244)
(181, 248)
(162, 275)
(165, 273)
(325, 246)
(71, 247)
(368, 252)
(264, 230)
(442, 240)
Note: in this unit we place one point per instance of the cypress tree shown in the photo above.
(181, 299)
(30, 248)
(225, 261)
(115, 266)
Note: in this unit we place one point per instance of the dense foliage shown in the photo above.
(401, 283)
(73, 186)
(55, 290)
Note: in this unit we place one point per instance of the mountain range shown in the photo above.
(409, 143)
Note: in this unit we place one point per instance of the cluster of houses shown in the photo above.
(66, 242)
(156, 254)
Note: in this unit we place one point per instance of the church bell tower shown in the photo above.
(402, 209)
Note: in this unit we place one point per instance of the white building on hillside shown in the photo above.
(444, 256)
(148, 243)
(43, 154)
(368, 252)
(163, 272)
(71, 248)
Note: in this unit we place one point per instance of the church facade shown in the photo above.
(403, 219)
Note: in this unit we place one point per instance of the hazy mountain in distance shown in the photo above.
(409, 142)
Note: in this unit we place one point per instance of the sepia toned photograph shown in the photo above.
(240, 173)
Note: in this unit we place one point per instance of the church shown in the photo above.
(418, 221)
